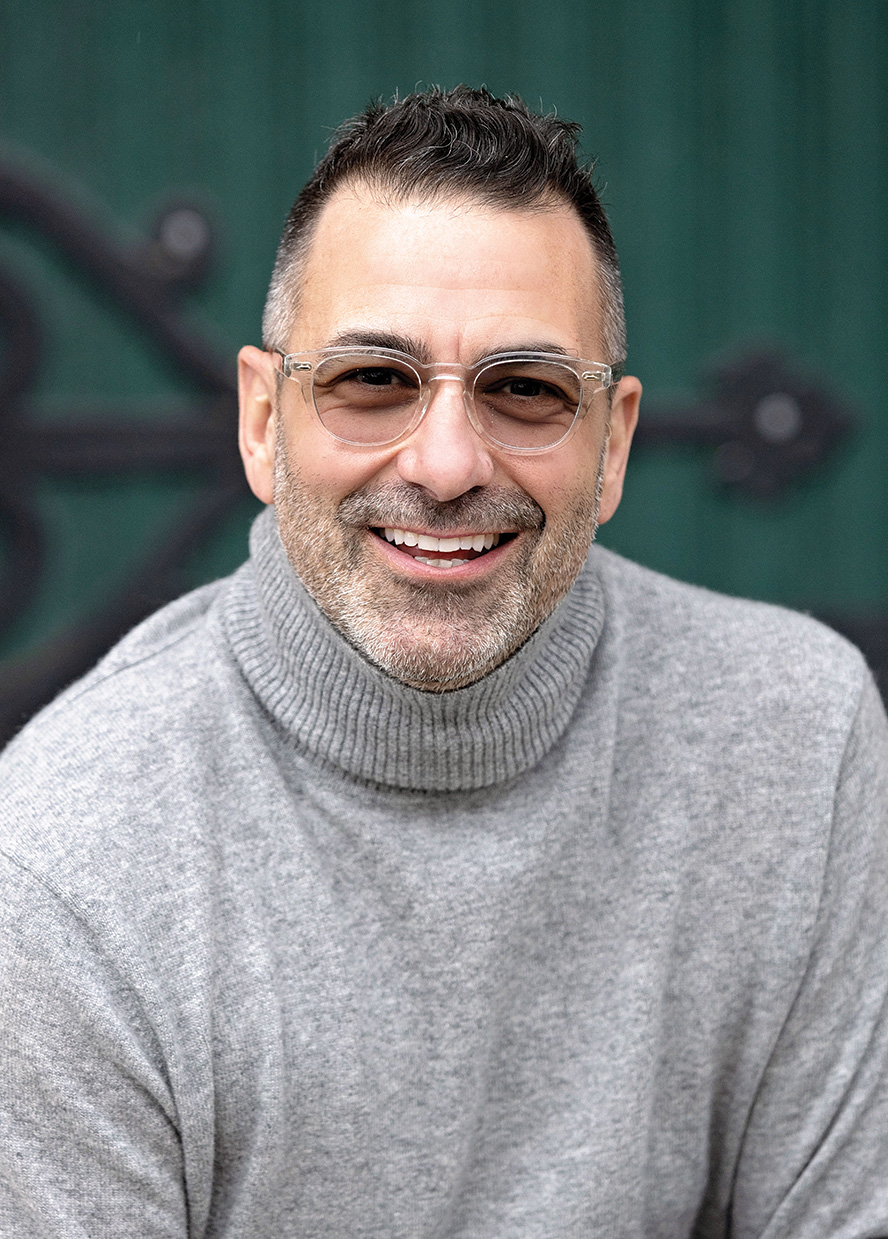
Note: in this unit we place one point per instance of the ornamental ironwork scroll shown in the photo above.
(768, 426)
(145, 283)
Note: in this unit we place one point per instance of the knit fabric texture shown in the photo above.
(594, 947)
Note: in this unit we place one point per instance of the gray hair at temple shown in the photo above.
(449, 144)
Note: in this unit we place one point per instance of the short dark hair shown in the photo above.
(450, 144)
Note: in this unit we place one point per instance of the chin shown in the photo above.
(435, 661)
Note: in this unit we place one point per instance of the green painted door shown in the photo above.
(742, 150)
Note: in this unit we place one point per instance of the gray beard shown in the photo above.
(430, 636)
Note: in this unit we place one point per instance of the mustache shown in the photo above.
(405, 506)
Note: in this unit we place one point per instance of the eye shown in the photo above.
(526, 388)
(377, 376)
(362, 384)
(364, 374)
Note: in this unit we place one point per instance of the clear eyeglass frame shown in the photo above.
(592, 377)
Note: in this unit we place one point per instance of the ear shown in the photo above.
(623, 418)
(257, 392)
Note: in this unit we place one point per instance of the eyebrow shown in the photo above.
(367, 338)
(364, 338)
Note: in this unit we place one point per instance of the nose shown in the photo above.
(445, 455)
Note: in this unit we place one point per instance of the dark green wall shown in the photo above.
(743, 153)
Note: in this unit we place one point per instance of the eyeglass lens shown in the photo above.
(370, 400)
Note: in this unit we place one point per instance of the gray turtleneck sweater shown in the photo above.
(595, 947)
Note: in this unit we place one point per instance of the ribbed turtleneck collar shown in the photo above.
(344, 710)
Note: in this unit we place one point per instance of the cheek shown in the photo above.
(329, 471)
(561, 487)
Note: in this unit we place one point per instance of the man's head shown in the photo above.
(452, 228)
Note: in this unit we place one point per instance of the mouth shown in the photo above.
(443, 552)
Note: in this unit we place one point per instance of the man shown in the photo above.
(434, 875)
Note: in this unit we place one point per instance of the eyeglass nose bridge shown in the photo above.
(437, 372)
(459, 373)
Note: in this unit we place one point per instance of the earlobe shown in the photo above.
(623, 419)
(256, 383)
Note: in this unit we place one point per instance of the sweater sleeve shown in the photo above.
(814, 1162)
(88, 1130)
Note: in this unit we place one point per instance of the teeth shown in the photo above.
(440, 563)
(472, 542)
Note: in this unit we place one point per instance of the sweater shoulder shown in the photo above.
(144, 663)
(717, 646)
(115, 751)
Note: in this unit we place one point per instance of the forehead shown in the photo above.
(459, 275)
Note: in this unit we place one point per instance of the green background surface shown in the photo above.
(742, 152)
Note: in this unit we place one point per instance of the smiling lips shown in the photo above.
(473, 545)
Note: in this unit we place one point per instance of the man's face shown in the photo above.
(452, 282)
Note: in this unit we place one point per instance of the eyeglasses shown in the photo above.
(522, 402)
